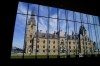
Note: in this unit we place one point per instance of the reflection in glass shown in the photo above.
(42, 37)
(53, 12)
(53, 41)
(71, 39)
(22, 7)
(43, 11)
(84, 18)
(77, 16)
(70, 15)
(63, 40)
(61, 14)
(33, 7)
(90, 17)
(18, 38)
(96, 20)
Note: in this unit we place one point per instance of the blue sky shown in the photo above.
(19, 30)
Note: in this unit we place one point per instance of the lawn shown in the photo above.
(63, 56)
(33, 57)
(40, 56)
(72, 56)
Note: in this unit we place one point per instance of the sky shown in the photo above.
(43, 23)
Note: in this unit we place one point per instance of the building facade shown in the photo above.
(43, 43)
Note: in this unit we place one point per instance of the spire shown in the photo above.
(82, 30)
(32, 18)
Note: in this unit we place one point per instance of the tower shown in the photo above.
(30, 32)
(82, 36)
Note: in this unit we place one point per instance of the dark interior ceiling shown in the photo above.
(84, 6)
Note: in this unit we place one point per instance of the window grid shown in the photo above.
(58, 29)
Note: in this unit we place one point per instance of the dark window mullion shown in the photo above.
(37, 33)
(66, 16)
(75, 30)
(58, 34)
(48, 32)
(24, 47)
(88, 30)
(95, 34)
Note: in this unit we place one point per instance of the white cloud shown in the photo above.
(54, 16)
(43, 10)
(22, 8)
(42, 24)
(53, 25)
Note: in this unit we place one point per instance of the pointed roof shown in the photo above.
(32, 18)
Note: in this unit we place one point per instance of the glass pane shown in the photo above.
(42, 38)
(62, 35)
(70, 15)
(34, 8)
(30, 39)
(18, 38)
(61, 14)
(78, 45)
(22, 7)
(43, 11)
(87, 42)
(98, 30)
(71, 39)
(84, 18)
(53, 41)
(53, 12)
(96, 20)
(90, 17)
(94, 40)
(77, 16)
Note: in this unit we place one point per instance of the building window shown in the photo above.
(37, 50)
(53, 46)
(86, 43)
(30, 36)
(53, 50)
(49, 46)
(53, 42)
(43, 50)
(37, 46)
(69, 42)
(43, 46)
(69, 47)
(49, 41)
(30, 41)
(44, 41)
(73, 42)
(48, 50)
(31, 26)
(37, 40)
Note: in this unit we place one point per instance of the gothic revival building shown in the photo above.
(36, 42)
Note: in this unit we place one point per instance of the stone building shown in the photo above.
(39, 43)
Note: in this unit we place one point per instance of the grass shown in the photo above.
(52, 56)
(40, 56)
(63, 56)
(72, 56)
(16, 57)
